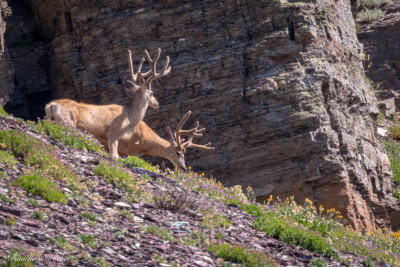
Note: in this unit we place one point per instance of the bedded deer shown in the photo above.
(111, 122)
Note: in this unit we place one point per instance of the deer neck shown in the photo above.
(137, 107)
(160, 147)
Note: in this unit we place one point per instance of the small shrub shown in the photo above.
(33, 202)
(36, 184)
(5, 199)
(68, 136)
(161, 233)
(38, 215)
(393, 152)
(175, 201)
(368, 15)
(89, 216)
(88, 239)
(237, 254)
(10, 220)
(7, 157)
(118, 176)
(218, 235)
(4, 175)
(133, 161)
(61, 242)
(317, 262)
(2, 111)
(14, 254)
(212, 220)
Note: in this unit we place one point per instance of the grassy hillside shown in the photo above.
(64, 199)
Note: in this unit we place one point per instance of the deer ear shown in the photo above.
(131, 86)
(140, 79)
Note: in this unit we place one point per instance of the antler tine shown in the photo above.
(131, 70)
(179, 127)
(153, 67)
(192, 133)
(201, 147)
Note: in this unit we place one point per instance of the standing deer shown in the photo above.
(111, 122)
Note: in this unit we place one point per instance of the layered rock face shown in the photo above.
(381, 40)
(279, 86)
(6, 67)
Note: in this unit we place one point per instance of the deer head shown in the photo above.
(138, 85)
(179, 144)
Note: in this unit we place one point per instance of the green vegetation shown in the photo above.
(304, 225)
(368, 15)
(88, 239)
(161, 233)
(5, 199)
(7, 157)
(371, 3)
(11, 220)
(212, 220)
(35, 153)
(67, 135)
(2, 111)
(89, 215)
(317, 262)
(4, 175)
(38, 215)
(133, 161)
(33, 202)
(237, 254)
(61, 242)
(14, 254)
(393, 152)
(36, 184)
(118, 176)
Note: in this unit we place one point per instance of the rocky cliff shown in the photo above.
(381, 40)
(279, 86)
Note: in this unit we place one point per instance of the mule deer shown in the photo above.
(144, 141)
(110, 122)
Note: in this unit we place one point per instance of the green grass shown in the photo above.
(4, 175)
(393, 152)
(2, 111)
(7, 157)
(161, 233)
(5, 199)
(88, 239)
(88, 215)
(35, 153)
(36, 184)
(118, 176)
(38, 215)
(133, 161)
(68, 136)
(317, 262)
(215, 220)
(33, 202)
(237, 254)
(59, 241)
(14, 254)
(294, 234)
(368, 15)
